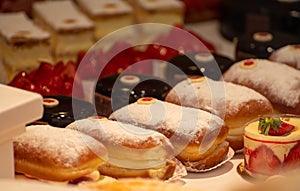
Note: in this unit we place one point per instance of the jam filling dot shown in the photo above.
(248, 64)
(297, 46)
(263, 36)
(195, 79)
(50, 102)
(146, 100)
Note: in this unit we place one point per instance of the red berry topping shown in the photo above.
(274, 126)
(248, 64)
(146, 100)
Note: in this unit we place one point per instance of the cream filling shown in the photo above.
(131, 158)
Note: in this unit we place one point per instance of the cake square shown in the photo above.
(107, 15)
(169, 12)
(70, 29)
(22, 44)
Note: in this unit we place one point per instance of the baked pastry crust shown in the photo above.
(278, 82)
(194, 133)
(132, 151)
(235, 103)
(138, 184)
(46, 152)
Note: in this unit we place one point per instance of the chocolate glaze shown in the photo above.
(122, 93)
(248, 47)
(189, 65)
(67, 111)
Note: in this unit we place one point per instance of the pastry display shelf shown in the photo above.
(17, 108)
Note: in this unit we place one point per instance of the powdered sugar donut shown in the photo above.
(235, 103)
(57, 154)
(289, 54)
(132, 151)
(277, 82)
(197, 135)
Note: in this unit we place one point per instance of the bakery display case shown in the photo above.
(148, 94)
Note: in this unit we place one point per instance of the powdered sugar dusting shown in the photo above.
(282, 82)
(213, 95)
(118, 133)
(63, 147)
(184, 121)
(287, 54)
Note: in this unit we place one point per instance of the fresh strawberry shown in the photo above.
(43, 74)
(292, 161)
(263, 160)
(20, 80)
(274, 126)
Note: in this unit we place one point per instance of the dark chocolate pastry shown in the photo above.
(206, 64)
(116, 91)
(248, 16)
(60, 111)
(262, 44)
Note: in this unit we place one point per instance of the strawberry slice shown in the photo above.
(292, 161)
(263, 160)
(274, 126)
(284, 129)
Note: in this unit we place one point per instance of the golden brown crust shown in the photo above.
(279, 84)
(236, 142)
(251, 109)
(217, 156)
(164, 172)
(139, 184)
(50, 153)
(196, 151)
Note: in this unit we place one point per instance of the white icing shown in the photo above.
(214, 95)
(105, 7)
(130, 79)
(185, 122)
(65, 147)
(116, 132)
(16, 24)
(160, 5)
(50, 102)
(281, 81)
(62, 15)
(262, 36)
(287, 54)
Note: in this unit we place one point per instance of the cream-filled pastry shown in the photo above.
(235, 103)
(56, 154)
(132, 151)
(197, 135)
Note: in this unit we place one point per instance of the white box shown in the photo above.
(17, 108)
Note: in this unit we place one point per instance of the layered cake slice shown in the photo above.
(22, 44)
(107, 15)
(70, 29)
(154, 11)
